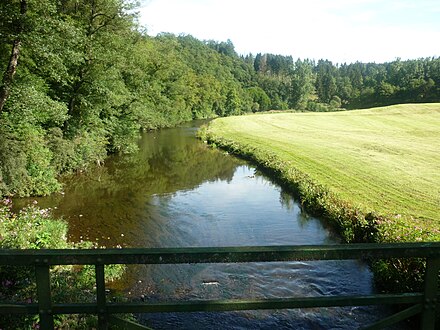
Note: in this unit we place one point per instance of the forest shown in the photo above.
(82, 79)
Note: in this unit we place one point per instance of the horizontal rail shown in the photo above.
(193, 255)
(424, 303)
(224, 305)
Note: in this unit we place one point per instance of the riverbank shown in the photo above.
(372, 174)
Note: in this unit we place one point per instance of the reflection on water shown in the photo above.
(117, 204)
(176, 192)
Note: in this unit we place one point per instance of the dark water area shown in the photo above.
(177, 192)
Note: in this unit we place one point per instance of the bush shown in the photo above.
(34, 228)
(25, 160)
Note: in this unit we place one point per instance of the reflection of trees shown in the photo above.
(170, 161)
(115, 199)
(287, 200)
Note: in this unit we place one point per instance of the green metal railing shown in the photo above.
(424, 303)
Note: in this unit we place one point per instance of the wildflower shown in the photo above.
(7, 283)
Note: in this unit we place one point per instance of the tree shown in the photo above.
(386, 89)
(344, 89)
(233, 103)
(302, 84)
(335, 102)
(12, 26)
(260, 100)
(325, 80)
(257, 62)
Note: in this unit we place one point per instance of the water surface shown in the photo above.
(177, 192)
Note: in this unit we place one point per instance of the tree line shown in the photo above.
(81, 79)
(321, 85)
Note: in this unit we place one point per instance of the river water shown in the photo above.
(177, 192)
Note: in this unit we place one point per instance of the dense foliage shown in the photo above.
(80, 79)
(322, 85)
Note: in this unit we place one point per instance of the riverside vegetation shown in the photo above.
(374, 174)
(34, 228)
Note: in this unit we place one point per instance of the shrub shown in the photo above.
(25, 160)
(34, 228)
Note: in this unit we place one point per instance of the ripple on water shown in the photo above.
(177, 192)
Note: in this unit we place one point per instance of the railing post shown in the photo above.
(431, 292)
(42, 273)
(100, 297)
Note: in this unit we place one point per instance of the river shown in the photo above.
(178, 192)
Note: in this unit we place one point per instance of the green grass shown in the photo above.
(384, 161)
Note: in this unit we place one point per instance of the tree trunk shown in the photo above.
(8, 76)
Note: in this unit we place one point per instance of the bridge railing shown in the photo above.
(425, 303)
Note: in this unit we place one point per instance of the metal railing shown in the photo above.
(424, 303)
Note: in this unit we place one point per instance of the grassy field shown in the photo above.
(383, 161)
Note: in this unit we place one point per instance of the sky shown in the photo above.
(342, 31)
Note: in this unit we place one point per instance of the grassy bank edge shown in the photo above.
(352, 223)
